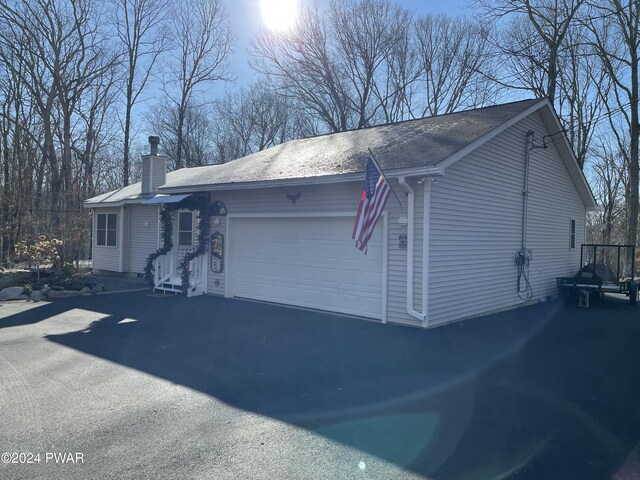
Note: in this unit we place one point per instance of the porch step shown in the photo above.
(171, 284)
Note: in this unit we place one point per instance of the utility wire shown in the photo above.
(613, 112)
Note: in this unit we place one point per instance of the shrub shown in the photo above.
(65, 277)
(41, 252)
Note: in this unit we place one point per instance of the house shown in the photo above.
(491, 208)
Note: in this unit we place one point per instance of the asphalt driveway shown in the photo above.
(145, 386)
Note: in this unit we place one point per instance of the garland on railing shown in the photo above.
(199, 202)
(167, 242)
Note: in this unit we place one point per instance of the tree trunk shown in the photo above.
(553, 73)
(127, 131)
(180, 131)
(634, 131)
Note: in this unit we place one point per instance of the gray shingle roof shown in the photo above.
(130, 192)
(413, 143)
(410, 144)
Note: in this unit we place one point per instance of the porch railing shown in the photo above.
(198, 276)
(166, 272)
(164, 268)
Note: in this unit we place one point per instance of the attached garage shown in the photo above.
(307, 261)
(280, 220)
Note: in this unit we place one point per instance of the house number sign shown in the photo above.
(217, 252)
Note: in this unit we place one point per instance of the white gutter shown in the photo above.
(422, 316)
(322, 180)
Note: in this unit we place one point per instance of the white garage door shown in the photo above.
(309, 262)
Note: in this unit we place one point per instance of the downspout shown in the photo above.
(426, 229)
(422, 316)
(121, 259)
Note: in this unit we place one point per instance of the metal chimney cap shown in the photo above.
(153, 142)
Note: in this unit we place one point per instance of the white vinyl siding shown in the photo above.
(106, 257)
(474, 231)
(142, 235)
(158, 174)
(324, 199)
(397, 284)
(146, 174)
(153, 173)
(476, 221)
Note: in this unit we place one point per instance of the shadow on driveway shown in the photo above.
(542, 392)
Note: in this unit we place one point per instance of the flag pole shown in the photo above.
(375, 162)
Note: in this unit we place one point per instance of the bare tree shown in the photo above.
(523, 56)
(367, 35)
(615, 28)
(608, 170)
(253, 119)
(59, 51)
(140, 29)
(195, 137)
(203, 41)
(550, 21)
(452, 52)
(303, 66)
(27, 55)
(17, 147)
(98, 129)
(584, 87)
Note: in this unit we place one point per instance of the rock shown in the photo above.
(37, 295)
(86, 291)
(10, 278)
(57, 288)
(11, 293)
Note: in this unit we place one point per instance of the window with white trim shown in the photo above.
(185, 228)
(572, 237)
(106, 229)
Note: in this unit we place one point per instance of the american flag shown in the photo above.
(374, 197)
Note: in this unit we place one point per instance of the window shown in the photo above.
(573, 234)
(106, 231)
(185, 228)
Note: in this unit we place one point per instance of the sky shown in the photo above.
(246, 20)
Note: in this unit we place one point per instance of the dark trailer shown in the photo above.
(603, 269)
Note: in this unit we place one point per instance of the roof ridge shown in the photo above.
(409, 120)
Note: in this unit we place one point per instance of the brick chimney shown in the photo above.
(154, 167)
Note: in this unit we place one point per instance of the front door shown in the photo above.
(184, 233)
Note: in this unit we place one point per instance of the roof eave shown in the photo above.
(119, 203)
(317, 180)
(339, 178)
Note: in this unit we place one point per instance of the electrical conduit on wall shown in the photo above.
(422, 316)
